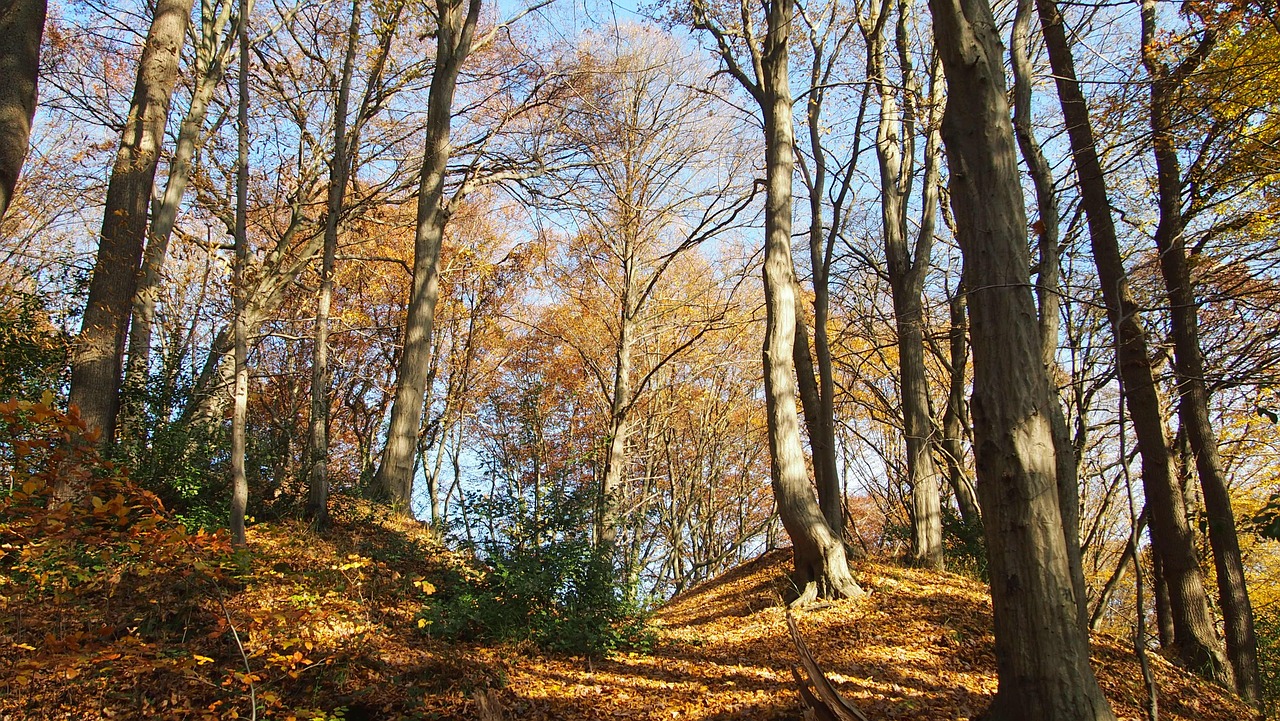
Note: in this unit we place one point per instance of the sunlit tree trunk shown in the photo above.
(21, 28)
(211, 58)
(957, 411)
(908, 264)
(454, 33)
(1042, 653)
(1195, 642)
(1047, 293)
(821, 567)
(98, 357)
(318, 433)
(1193, 393)
(240, 400)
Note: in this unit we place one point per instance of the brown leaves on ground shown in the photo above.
(109, 609)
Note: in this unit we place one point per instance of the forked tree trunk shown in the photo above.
(1188, 363)
(211, 59)
(821, 567)
(21, 28)
(1195, 642)
(907, 266)
(318, 433)
(98, 357)
(1042, 654)
(1047, 294)
(454, 33)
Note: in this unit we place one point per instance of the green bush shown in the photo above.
(552, 588)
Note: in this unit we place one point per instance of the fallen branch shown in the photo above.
(823, 703)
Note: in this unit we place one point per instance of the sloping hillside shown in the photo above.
(112, 610)
(919, 647)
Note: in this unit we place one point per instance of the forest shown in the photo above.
(715, 359)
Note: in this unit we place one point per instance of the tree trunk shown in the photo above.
(1042, 654)
(454, 33)
(615, 465)
(98, 357)
(1188, 363)
(239, 416)
(211, 58)
(1195, 643)
(1047, 295)
(953, 419)
(21, 29)
(318, 434)
(895, 150)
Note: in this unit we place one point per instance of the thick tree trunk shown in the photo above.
(211, 61)
(98, 358)
(1042, 654)
(1193, 393)
(318, 433)
(239, 416)
(21, 28)
(454, 33)
(1047, 294)
(821, 568)
(1195, 642)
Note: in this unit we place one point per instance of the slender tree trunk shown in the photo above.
(1047, 294)
(953, 419)
(211, 58)
(454, 33)
(1193, 393)
(1195, 642)
(821, 442)
(98, 358)
(895, 146)
(21, 29)
(615, 465)
(318, 436)
(239, 416)
(1042, 654)
(821, 568)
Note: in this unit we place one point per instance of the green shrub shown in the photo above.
(552, 588)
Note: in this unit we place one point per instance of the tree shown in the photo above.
(21, 28)
(908, 262)
(1188, 361)
(98, 358)
(821, 567)
(239, 289)
(1195, 642)
(1042, 653)
(339, 166)
(657, 179)
(454, 34)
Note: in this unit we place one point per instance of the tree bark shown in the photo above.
(239, 416)
(1188, 363)
(953, 418)
(454, 34)
(821, 567)
(1042, 654)
(318, 433)
(1047, 294)
(211, 58)
(21, 29)
(98, 358)
(1195, 643)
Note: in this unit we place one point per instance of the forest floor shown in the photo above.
(311, 626)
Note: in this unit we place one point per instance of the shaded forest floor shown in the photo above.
(135, 618)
